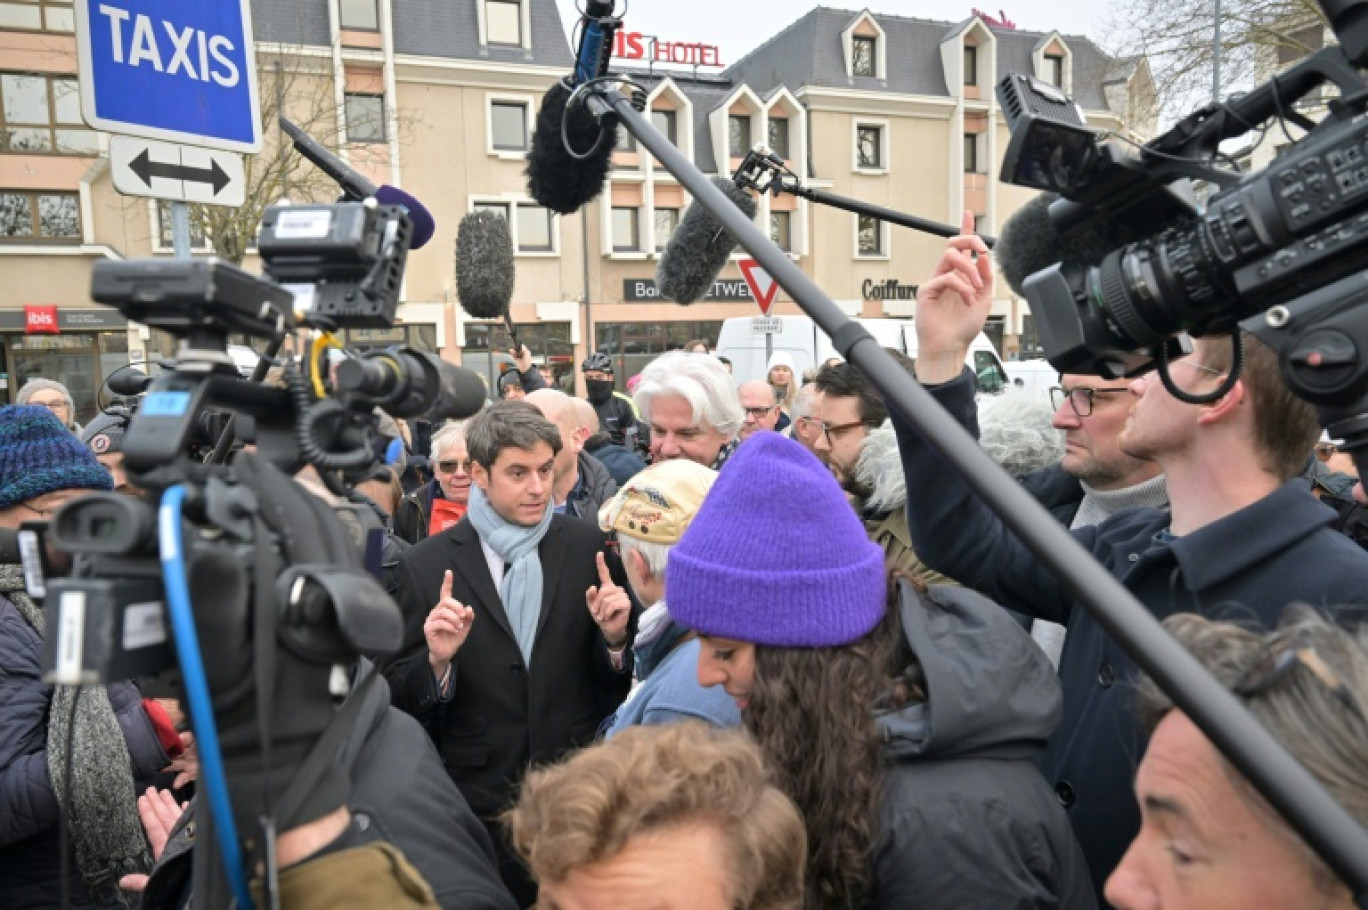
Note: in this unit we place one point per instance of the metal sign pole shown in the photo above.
(180, 229)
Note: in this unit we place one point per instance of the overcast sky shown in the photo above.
(737, 26)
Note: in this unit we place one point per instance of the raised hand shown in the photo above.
(446, 628)
(159, 812)
(609, 605)
(953, 305)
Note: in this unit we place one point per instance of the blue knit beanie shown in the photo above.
(38, 455)
(776, 556)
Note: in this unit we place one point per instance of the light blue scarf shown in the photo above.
(517, 546)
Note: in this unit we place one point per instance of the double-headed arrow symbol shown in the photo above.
(146, 169)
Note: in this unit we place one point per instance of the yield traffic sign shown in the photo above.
(762, 286)
(177, 70)
(179, 173)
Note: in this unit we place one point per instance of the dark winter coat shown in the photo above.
(618, 419)
(967, 821)
(30, 871)
(414, 514)
(502, 715)
(621, 464)
(1249, 566)
(596, 486)
(1057, 490)
(400, 793)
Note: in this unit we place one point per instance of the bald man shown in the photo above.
(580, 484)
(760, 406)
(621, 463)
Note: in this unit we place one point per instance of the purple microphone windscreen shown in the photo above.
(423, 225)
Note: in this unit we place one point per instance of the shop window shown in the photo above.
(626, 142)
(487, 347)
(43, 114)
(27, 216)
(365, 117)
(632, 345)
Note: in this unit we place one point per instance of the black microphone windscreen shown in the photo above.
(423, 224)
(1029, 242)
(462, 392)
(557, 180)
(128, 382)
(699, 248)
(484, 264)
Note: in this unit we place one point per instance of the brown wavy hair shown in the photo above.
(811, 711)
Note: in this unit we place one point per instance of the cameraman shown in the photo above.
(112, 740)
(1245, 534)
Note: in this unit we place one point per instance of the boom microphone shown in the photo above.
(356, 187)
(1029, 242)
(699, 248)
(484, 267)
(128, 382)
(556, 178)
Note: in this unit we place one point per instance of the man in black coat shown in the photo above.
(518, 664)
(1245, 537)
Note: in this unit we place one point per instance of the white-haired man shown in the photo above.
(690, 404)
(649, 515)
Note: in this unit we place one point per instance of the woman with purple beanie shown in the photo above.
(903, 722)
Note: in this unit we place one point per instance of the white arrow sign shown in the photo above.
(180, 173)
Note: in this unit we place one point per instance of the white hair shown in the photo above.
(1014, 428)
(701, 381)
(450, 434)
(804, 402)
(656, 555)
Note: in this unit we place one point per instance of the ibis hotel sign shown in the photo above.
(636, 46)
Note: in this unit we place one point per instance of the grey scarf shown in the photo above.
(103, 810)
(517, 547)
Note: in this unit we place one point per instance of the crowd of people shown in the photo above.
(754, 644)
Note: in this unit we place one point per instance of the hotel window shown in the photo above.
(38, 15)
(738, 135)
(779, 137)
(43, 114)
(534, 226)
(666, 220)
(871, 236)
(503, 21)
(781, 224)
(971, 156)
(869, 146)
(666, 122)
(970, 65)
(626, 238)
(508, 126)
(365, 118)
(862, 52)
(28, 215)
(361, 15)
(1054, 70)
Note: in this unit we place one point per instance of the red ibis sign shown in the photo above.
(40, 320)
(636, 46)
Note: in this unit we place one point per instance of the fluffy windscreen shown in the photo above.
(699, 248)
(555, 179)
(1029, 242)
(484, 265)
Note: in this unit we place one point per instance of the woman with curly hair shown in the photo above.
(902, 722)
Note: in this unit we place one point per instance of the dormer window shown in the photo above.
(779, 137)
(738, 136)
(503, 21)
(970, 65)
(1054, 70)
(862, 56)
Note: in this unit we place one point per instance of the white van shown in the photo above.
(1034, 377)
(810, 347)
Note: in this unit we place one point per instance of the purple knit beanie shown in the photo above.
(776, 555)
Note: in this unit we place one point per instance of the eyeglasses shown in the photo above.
(50, 405)
(450, 467)
(832, 430)
(760, 413)
(1281, 658)
(1081, 398)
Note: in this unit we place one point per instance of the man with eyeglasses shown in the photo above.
(1095, 479)
(856, 442)
(1244, 534)
(760, 406)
